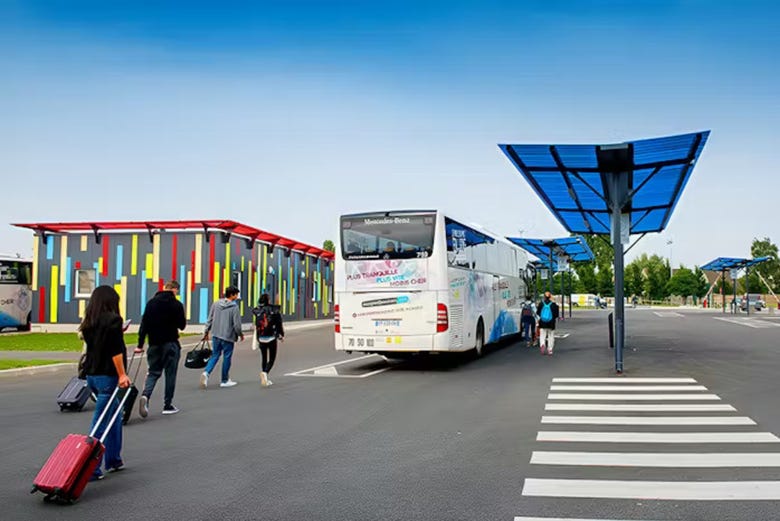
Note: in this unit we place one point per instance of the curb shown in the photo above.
(37, 369)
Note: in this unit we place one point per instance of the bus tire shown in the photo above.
(28, 325)
(479, 348)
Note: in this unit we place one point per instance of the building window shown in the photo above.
(85, 283)
(235, 279)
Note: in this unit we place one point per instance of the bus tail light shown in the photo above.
(442, 318)
(337, 318)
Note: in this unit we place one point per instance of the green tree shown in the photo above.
(634, 281)
(686, 283)
(328, 245)
(769, 269)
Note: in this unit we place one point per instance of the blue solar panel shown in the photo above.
(575, 248)
(568, 178)
(727, 263)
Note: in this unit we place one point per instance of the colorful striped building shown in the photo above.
(136, 258)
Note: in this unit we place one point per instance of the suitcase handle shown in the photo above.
(119, 408)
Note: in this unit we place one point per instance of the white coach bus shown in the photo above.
(419, 281)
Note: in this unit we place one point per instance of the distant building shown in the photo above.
(136, 258)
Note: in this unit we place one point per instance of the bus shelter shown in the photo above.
(733, 265)
(556, 254)
(616, 189)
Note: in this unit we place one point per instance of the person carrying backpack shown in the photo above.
(547, 310)
(528, 321)
(269, 329)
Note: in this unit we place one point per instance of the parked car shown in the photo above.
(755, 300)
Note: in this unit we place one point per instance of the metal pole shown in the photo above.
(619, 190)
(723, 289)
(563, 299)
(734, 282)
(747, 289)
(570, 291)
(550, 274)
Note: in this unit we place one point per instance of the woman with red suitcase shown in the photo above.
(105, 366)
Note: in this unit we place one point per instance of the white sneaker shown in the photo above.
(268, 382)
(229, 383)
(204, 380)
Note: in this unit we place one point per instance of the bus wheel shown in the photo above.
(28, 325)
(479, 349)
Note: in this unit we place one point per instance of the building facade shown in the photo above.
(137, 258)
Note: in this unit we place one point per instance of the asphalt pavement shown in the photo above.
(352, 437)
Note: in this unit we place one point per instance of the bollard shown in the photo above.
(611, 321)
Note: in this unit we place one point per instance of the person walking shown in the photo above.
(269, 329)
(162, 320)
(224, 323)
(528, 321)
(547, 311)
(105, 365)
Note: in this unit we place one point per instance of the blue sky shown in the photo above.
(286, 114)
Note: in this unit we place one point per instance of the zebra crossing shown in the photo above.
(673, 436)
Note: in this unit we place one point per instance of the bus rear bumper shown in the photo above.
(408, 343)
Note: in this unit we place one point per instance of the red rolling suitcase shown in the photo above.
(67, 471)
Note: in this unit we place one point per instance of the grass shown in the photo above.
(16, 364)
(50, 342)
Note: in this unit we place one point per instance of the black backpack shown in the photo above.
(264, 321)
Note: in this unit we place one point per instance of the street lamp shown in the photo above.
(669, 243)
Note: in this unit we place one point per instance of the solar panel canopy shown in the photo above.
(575, 248)
(728, 263)
(572, 179)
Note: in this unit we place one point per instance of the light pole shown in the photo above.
(669, 243)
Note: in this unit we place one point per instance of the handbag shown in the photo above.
(199, 356)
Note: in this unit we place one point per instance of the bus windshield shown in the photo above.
(387, 236)
(15, 272)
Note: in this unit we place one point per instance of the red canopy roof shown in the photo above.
(232, 227)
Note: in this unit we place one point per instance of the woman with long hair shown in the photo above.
(105, 366)
(268, 329)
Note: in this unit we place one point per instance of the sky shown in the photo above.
(286, 114)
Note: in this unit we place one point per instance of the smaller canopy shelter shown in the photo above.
(723, 264)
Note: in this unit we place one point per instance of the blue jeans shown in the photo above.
(221, 347)
(528, 324)
(103, 386)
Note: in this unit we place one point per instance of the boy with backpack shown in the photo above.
(269, 329)
(528, 321)
(547, 310)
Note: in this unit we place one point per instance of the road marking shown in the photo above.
(525, 518)
(326, 371)
(668, 314)
(563, 335)
(618, 380)
(312, 369)
(657, 437)
(629, 388)
(749, 322)
(356, 376)
(664, 490)
(648, 420)
(639, 407)
(627, 397)
(655, 459)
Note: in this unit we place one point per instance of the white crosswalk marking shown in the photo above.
(569, 393)
(755, 323)
(657, 437)
(629, 397)
(656, 459)
(639, 407)
(621, 380)
(649, 420)
(628, 388)
(666, 490)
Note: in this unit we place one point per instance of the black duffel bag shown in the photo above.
(198, 357)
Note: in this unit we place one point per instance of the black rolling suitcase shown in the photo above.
(74, 396)
(132, 392)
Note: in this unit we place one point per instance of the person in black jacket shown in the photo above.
(162, 320)
(269, 329)
(105, 365)
(547, 311)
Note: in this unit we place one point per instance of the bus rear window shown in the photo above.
(14, 272)
(401, 236)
